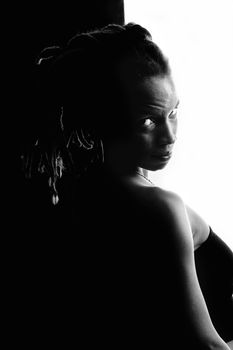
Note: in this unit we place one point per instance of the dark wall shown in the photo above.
(34, 27)
(45, 24)
(41, 24)
(51, 24)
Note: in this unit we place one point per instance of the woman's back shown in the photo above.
(112, 270)
(130, 280)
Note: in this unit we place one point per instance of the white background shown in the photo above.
(197, 37)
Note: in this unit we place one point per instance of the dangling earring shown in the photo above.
(99, 151)
(55, 199)
(53, 190)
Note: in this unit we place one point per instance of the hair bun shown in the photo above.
(49, 54)
(136, 32)
(83, 41)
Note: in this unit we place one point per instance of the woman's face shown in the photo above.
(153, 104)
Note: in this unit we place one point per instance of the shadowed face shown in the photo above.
(153, 105)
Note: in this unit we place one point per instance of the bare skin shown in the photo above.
(199, 227)
(190, 231)
(154, 105)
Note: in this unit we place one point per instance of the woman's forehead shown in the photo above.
(154, 91)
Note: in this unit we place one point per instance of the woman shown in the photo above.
(110, 115)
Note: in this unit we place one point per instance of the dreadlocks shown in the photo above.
(75, 87)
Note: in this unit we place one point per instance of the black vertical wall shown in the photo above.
(37, 25)
(43, 24)
(35, 248)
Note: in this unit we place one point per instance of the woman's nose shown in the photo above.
(167, 134)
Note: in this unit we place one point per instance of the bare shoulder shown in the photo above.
(175, 207)
(176, 211)
(158, 198)
(169, 206)
(181, 222)
(164, 199)
(172, 207)
(167, 197)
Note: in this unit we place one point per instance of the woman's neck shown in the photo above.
(119, 160)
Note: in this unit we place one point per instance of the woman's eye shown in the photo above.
(173, 114)
(147, 122)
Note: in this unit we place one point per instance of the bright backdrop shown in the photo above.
(197, 37)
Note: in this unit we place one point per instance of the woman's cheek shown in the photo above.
(144, 142)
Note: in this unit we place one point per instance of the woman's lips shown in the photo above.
(162, 156)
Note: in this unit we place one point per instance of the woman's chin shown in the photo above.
(153, 166)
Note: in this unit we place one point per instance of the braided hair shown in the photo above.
(75, 87)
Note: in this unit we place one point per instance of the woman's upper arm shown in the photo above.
(180, 233)
(200, 228)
